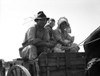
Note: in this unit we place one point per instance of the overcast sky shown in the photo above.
(83, 16)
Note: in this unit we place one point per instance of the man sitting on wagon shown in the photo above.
(61, 34)
(36, 38)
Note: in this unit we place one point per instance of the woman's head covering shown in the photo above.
(64, 19)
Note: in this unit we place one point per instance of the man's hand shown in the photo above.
(67, 41)
(50, 44)
(65, 48)
(35, 41)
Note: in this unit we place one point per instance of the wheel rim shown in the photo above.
(18, 70)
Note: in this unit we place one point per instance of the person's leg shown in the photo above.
(32, 52)
(29, 52)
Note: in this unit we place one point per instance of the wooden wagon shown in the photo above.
(50, 64)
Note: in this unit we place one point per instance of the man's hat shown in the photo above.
(40, 15)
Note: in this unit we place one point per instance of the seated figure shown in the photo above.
(36, 38)
(61, 35)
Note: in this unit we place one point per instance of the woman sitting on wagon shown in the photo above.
(61, 34)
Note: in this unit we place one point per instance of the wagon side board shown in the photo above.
(62, 64)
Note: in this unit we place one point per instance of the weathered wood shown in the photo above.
(62, 64)
(56, 64)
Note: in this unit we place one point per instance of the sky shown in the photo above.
(83, 16)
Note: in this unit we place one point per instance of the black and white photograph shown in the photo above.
(49, 37)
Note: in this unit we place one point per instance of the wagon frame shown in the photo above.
(50, 64)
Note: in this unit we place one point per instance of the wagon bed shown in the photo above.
(52, 64)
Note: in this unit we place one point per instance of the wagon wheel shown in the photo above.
(2, 72)
(18, 70)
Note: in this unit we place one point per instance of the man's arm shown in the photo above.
(30, 37)
(46, 44)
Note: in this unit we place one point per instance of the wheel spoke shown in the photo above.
(12, 73)
(15, 72)
(18, 70)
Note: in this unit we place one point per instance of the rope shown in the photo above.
(81, 43)
(92, 41)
